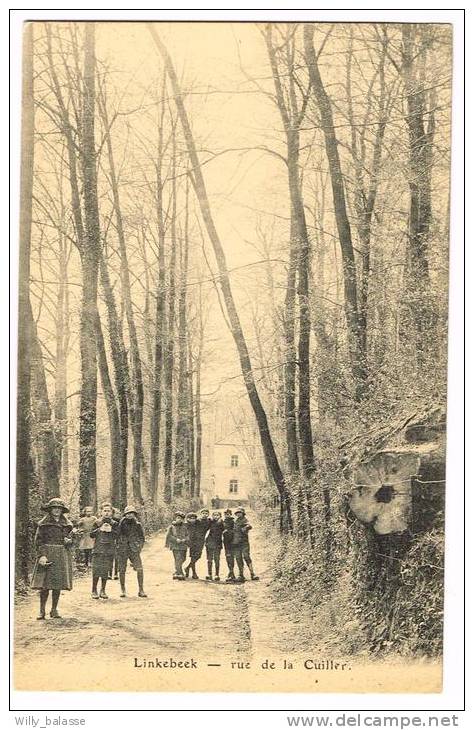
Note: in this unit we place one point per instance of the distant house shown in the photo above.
(230, 476)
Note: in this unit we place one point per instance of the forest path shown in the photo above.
(229, 631)
(179, 619)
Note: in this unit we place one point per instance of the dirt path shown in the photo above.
(228, 629)
(178, 617)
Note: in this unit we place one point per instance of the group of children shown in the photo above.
(109, 542)
(194, 532)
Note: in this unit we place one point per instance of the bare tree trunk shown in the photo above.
(359, 366)
(90, 259)
(290, 357)
(136, 364)
(421, 129)
(112, 412)
(160, 320)
(62, 345)
(182, 427)
(365, 193)
(191, 429)
(197, 399)
(236, 327)
(119, 494)
(169, 374)
(23, 436)
(147, 318)
(44, 436)
(292, 117)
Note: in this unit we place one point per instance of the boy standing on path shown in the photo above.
(241, 545)
(228, 537)
(177, 540)
(197, 528)
(214, 544)
(131, 539)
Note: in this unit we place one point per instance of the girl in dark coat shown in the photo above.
(53, 566)
(214, 544)
(104, 531)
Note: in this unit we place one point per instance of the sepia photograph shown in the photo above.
(232, 356)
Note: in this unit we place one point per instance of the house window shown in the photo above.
(233, 486)
(234, 460)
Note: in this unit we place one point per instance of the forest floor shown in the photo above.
(227, 630)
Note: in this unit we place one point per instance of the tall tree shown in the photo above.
(197, 398)
(170, 350)
(351, 304)
(62, 347)
(135, 358)
(23, 436)
(289, 327)
(112, 413)
(121, 368)
(421, 129)
(182, 450)
(367, 168)
(90, 268)
(160, 315)
(292, 115)
(199, 185)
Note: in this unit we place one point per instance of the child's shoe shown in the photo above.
(230, 578)
(240, 579)
(95, 594)
(123, 594)
(41, 617)
(195, 575)
(54, 614)
(217, 578)
(208, 577)
(103, 594)
(186, 572)
(142, 594)
(254, 577)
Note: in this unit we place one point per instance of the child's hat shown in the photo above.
(178, 513)
(227, 511)
(191, 514)
(129, 509)
(239, 509)
(54, 502)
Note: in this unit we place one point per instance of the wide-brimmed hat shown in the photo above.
(129, 509)
(191, 514)
(178, 513)
(239, 509)
(55, 502)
